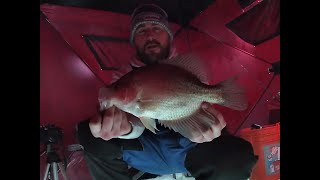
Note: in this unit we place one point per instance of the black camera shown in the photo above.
(50, 134)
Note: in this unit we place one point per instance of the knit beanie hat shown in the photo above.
(149, 13)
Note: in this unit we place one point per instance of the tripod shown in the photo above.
(54, 162)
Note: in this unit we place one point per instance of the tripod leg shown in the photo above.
(46, 172)
(55, 171)
(63, 172)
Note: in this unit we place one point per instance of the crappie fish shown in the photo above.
(171, 92)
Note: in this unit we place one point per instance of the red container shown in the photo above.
(266, 144)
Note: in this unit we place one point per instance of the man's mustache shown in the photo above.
(152, 42)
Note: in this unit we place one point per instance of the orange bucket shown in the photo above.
(266, 144)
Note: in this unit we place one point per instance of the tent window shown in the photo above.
(245, 3)
(258, 24)
(105, 50)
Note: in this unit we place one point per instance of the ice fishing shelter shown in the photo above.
(84, 43)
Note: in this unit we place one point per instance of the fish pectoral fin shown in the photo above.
(149, 123)
(195, 125)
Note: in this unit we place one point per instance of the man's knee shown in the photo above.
(95, 145)
(239, 159)
(222, 158)
(235, 154)
(84, 136)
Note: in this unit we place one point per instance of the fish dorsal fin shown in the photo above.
(193, 126)
(190, 62)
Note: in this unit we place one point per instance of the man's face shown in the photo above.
(152, 43)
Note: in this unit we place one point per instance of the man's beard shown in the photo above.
(153, 58)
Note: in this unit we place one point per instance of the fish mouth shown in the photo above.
(104, 104)
(104, 98)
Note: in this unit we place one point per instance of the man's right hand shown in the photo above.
(110, 124)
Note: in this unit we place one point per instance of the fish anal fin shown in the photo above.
(149, 123)
(195, 125)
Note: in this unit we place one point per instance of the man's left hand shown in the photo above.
(214, 130)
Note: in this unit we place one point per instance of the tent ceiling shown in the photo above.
(179, 11)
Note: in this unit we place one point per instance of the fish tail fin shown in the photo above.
(233, 95)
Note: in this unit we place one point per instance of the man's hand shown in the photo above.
(214, 130)
(110, 124)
